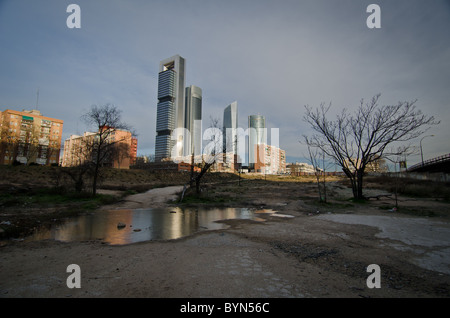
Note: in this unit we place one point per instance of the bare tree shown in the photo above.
(29, 142)
(9, 142)
(78, 167)
(396, 160)
(211, 152)
(78, 174)
(210, 156)
(107, 119)
(120, 152)
(354, 141)
(315, 156)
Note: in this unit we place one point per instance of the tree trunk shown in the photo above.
(354, 189)
(79, 183)
(200, 175)
(318, 186)
(94, 182)
(359, 183)
(352, 182)
(197, 186)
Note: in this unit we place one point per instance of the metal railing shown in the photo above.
(429, 162)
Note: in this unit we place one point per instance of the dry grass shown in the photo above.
(411, 187)
(110, 179)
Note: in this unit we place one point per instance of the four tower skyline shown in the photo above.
(179, 117)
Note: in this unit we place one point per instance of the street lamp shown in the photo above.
(421, 152)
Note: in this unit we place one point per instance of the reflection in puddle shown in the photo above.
(119, 227)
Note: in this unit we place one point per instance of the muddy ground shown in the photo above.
(323, 250)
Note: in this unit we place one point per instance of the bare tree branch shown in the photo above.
(354, 141)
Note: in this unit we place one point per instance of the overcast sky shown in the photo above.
(272, 57)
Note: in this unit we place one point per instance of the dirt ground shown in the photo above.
(323, 251)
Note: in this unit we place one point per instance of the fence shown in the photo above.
(429, 162)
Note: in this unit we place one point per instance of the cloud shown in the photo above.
(272, 57)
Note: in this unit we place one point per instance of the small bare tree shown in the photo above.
(9, 142)
(120, 152)
(211, 152)
(402, 152)
(315, 156)
(107, 119)
(79, 167)
(355, 141)
(29, 142)
(210, 156)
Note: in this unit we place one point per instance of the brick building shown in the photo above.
(269, 159)
(28, 137)
(121, 154)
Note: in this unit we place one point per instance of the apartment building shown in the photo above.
(378, 165)
(299, 168)
(79, 150)
(28, 137)
(269, 159)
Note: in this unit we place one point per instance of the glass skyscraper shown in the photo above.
(170, 113)
(193, 121)
(257, 135)
(230, 125)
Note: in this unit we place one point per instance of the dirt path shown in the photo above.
(309, 255)
(153, 198)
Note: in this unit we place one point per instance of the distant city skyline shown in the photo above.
(273, 57)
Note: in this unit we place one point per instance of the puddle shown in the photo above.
(118, 227)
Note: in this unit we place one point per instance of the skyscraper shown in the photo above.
(230, 125)
(170, 114)
(193, 121)
(257, 136)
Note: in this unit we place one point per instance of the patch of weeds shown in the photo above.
(92, 203)
(358, 201)
(338, 205)
(417, 212)
(421, 212)
(130, 192)
(7, 199)
(55, 197)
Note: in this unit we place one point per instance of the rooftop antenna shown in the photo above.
(37, 99)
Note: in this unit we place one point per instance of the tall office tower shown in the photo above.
(230, 125)
(193, 121)
(170, 109)
(256, 136)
